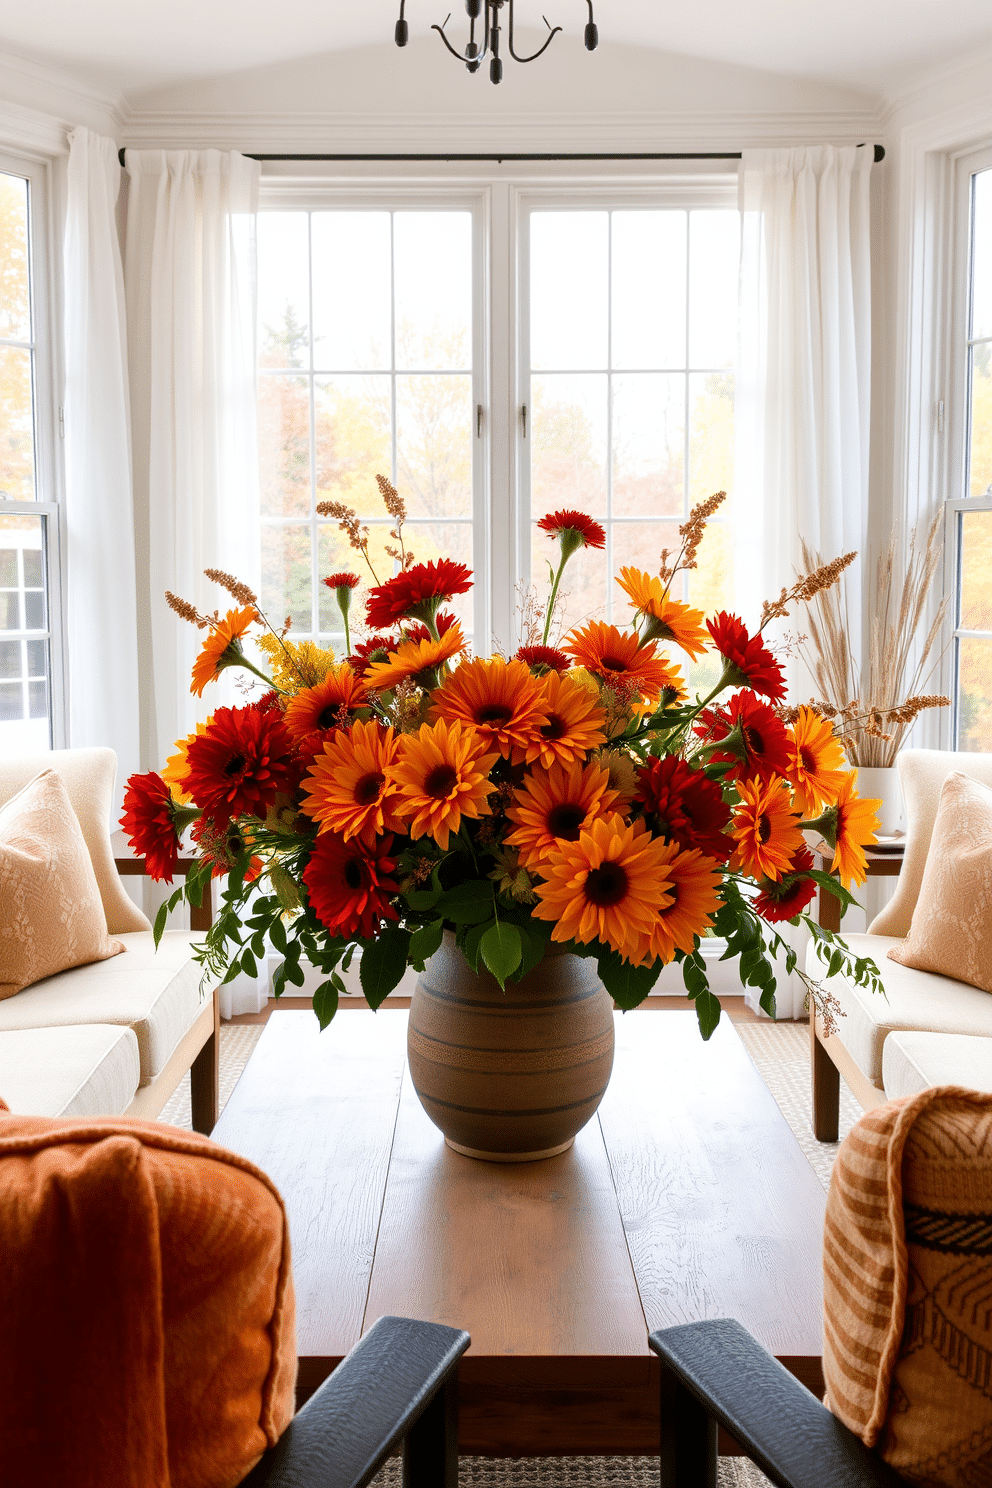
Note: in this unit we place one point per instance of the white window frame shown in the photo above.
(958, 403)
(49, 467)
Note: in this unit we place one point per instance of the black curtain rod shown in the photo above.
(499, 158)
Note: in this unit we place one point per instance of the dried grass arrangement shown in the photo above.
(884, 698)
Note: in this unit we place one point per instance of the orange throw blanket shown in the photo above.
(147, 1326)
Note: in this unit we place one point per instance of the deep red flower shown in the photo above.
(443, 621)
(791, 894)
(592, 534)
(760, 744)
(376, 648)
(417, 592)
(747, 658)
(240, 763)
(223, 849)
(684, 805)
(149, 824)
(544, 658)
(343, 581)
(349, 884)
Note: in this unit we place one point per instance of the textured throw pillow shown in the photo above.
(951, 930)
(51, 914)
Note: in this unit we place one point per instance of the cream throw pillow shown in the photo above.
(51, 914)
(951, 930)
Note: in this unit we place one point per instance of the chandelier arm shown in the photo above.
(440, 32)
(554, 32)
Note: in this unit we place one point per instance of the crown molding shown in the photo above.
(38, 104)
(915, 89)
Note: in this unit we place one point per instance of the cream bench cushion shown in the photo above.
(912, 1062)
(89, 1071)
(918, 1001)
(156, 993)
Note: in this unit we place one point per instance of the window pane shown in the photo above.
(16, 425)
(711, 437)
(352, 300)
(714, 253)
(284, 446)
(434, 445)
(15, 295)
(433, 540)
(567, 435)
(648, 273)
(569, 290)
(975, 531)
(975, 694)
(283, 290)
(10, 659)
(648, 444)
(25, 724)
(286, 573)
(981, 302)
(433, 268)
(353, 440)
(584, 590)
(980, 440)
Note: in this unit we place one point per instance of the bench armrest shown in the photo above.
(715, 1372)
(399, 1383)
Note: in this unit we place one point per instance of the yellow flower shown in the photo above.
(350, 788)
(411, 658)
(295, 664)
(851, 826)
(766, 829)
(695, 884)
(817, 763)
(222, 648)
(554, 805)
(502, 699)
(619, 660)
(574, 724)
(177, 765)
(442, 774)
(667, 619)
(316, 709)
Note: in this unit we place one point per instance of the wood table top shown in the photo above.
(686, 1197)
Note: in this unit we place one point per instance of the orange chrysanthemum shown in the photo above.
(329, 705)
(695, 884)
(575, 723)
(502, 699)
(441, 774)
(350, 788)
(176, 771)
(817, 762)
(221, 649)
(850, 825)
(668, 620)
(555, 805)
(411, 658)
(608, 886)
(765, 828)
(615, 656)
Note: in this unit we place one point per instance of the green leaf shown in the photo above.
(501, 949)
(627, 985)
(472, 940)
(767, 1001)
(383, 964)
(294, 972)
(325, 1002)
(160, 922)
(248, 965)
(694, 976)
(533, 951)
(279, 980)
(707, 1012)
(423, 898)
(467, 903)
(277, 935)
(425, 941)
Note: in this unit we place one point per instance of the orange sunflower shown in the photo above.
(667, 619)
(502, 699)
(765, 828)
(695, 884)
(176, 768)
(817, 762)
(222, 648)
(442, 774)
(350, 788)
(411, 658)
(555, 805)
(574, 726)
(616, 656)
(849, 825)
(328, 705)
(609, 886)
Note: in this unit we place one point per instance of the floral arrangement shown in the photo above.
(571, 792)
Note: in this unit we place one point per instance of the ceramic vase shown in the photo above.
(881, 783)
(510, 1076)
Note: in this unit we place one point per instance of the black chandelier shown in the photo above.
(476, 52)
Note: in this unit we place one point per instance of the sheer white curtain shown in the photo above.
(189, 276)
(101, 600)
(803, 384)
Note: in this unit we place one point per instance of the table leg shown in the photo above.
(430, 1450)
(826, 1087)
(688, 1437)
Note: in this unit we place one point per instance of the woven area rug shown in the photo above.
(781, 1053)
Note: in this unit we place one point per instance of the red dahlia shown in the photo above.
(342, 581)
(153, 823)
(443, 621)
(224, 849)
(417, 593)
(543, 659)
(684, 805)
(747, 660)
(240, 763)
(376, 648)
(349, 884)
(755, 737)
(791, 894)
(559, 522)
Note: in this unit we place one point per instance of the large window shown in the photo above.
(586, 360)
(30, 707)
(972, 503)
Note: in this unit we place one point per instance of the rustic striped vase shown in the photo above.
(510, 1076)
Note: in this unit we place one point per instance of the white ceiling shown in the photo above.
(868, 44)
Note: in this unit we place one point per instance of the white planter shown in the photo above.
(882, 784)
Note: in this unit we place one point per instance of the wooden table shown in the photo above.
(686, 1197)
